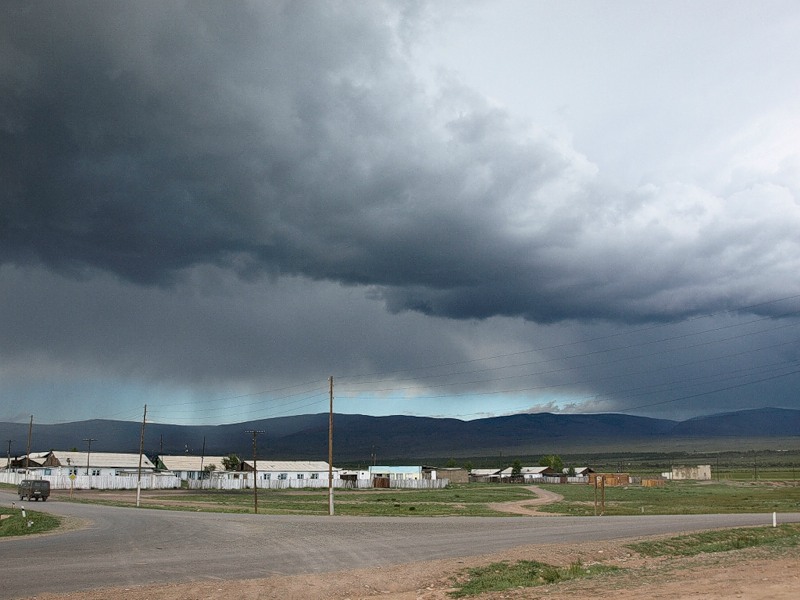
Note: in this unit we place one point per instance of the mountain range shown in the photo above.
(360, 438)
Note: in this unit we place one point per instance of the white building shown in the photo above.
(294, 470)
(392, 473)
(699, 473)
(192, 467)
(59, 462)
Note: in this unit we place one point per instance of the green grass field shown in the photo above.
(456, 500)
(474, 499)
(680, 498)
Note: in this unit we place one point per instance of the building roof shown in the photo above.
(484, 472)
(183, 462)
(529, 470)
(300, 466)
(107, 460)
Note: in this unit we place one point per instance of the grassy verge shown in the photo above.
(33, 522)
(721, 541)
(456, 500)
(501, 576)
(679, 498)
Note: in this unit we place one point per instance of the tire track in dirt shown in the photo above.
(529, 506)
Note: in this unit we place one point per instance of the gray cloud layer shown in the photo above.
(294, 138)
(203, 200)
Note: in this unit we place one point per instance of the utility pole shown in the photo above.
(330, 450)
(202, 458)
(255, 433)
(8, 462)
(141, 451)
(28, 454)
(89, 452)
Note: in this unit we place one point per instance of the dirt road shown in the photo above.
(529, 506)
(218, 556)
(748, 574)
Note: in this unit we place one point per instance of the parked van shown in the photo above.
(33, 489)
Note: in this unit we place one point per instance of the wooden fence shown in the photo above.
(98, 482)
(561, 480)
(242, 483)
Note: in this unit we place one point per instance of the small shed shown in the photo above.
(452, 474)
(698, 473)
(610, 479)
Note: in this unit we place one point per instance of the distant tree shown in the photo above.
(468, 466)
(571, 472)
(231, 462)
(208, 470)
(516, 468)
(553, 461)
(451, 463)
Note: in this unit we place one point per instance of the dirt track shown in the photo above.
(529, 506)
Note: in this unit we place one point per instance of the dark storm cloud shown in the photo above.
(294, 138)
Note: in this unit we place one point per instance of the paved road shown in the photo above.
(129, 546)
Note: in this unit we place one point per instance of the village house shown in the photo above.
(58, 462)
(34, 459)
(398, 472)
(191, 467)
(579, 471)
(294, 470)
(528, 474)
(484, 475)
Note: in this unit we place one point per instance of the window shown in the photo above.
(300, 476)
(266, 476)
(95, 472)
(283, 476)
(315, 476)
(73, 471)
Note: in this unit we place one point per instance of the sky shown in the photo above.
(454, 209)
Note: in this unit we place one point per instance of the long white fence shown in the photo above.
(161, 481)
(564, 480)
(223, 483)
(98, 482)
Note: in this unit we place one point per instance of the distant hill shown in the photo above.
(762, 422)
(359, 437)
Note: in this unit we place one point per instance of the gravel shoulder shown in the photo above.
(756, 574)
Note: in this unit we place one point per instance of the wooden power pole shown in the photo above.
(255, 469)
(141, 451)
(28, 453)
(330, 448)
